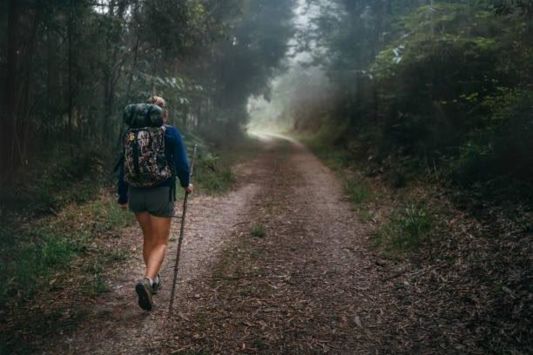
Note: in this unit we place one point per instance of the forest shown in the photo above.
(419, 114)
(443, 87)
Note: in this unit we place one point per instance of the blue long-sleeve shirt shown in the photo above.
(176, 155)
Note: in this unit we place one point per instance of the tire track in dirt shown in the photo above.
(114, 324)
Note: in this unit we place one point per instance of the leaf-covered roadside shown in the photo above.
(56, 264)
(460, 262)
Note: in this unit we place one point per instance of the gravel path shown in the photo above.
(115, 324)
(306, 284)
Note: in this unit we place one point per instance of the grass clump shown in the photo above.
(406, 229)
(44, 251)
(258, 231)
(357, 190)
(32, 253)
(107, 215)
(212, 174)
(96, 284)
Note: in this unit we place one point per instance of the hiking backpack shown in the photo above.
(145, 162)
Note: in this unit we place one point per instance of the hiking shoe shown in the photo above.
(144, 291)
(156, 286)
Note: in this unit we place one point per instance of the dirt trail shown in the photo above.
(308, 285)
(115, 324)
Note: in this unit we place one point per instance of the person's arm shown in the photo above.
(122, 185)
(179, 155)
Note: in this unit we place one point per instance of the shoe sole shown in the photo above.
(144, 299)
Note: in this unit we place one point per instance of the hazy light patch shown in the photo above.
(269, 136)
(263, 136)
(101, 7)
(291, 91)
(300, 83)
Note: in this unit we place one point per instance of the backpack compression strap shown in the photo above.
(135, 149)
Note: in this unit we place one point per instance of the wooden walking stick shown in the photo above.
(180, 240)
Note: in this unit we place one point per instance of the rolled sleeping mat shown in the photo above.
(143, 115)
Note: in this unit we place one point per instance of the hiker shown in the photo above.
(152, 203)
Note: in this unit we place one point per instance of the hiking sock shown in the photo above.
(155, 281)
(150, 280)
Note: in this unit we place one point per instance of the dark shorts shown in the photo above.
(156, 200)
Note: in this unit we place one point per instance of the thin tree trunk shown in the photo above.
(185, 114)
(52, 84)
(133, 66)
(70, 29)
(9, 115)
(25, 97)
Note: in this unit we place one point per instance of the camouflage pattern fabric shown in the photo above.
(145, 163)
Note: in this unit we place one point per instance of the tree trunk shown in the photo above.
(25, 106)
(70, 102)
(53, 85)
(184, 116)
(9, 114)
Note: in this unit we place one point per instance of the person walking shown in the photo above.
(154, 205)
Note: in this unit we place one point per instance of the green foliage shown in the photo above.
(323, 137)
(59, 177)
(358, 190)
(84, 61)
(503, 148)
(243, 64)
(446, 91)
(96, 284)
(258, 231)
(31, 258)
(107, 215)
(406, 229)
(213, 175)
(34, 253)
(424, 75)
(174, 29)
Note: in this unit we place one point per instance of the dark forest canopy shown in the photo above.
(68, 67)
(431, 84)
(446, 82)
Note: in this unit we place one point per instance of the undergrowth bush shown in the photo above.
(408, 227)
(357, 189)
(33, 253)
(43, 251)
(212, 174)
(504, 148)
(60, 176)
(454, 103)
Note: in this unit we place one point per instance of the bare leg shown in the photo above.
(145, 221)
(157, 244)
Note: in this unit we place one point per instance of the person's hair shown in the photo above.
(157, 100)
